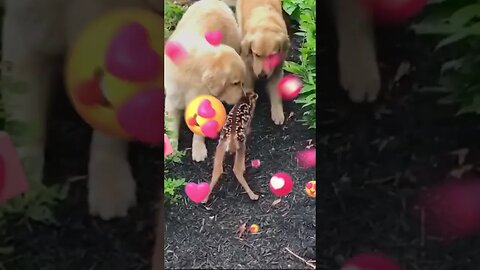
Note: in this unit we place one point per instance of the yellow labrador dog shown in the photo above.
(207, 69)
(263, 32)
(36, 35)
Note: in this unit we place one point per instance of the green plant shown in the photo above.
(171, 185)
(172, 14)
(304, 13)
(38, 202)
(457, 25)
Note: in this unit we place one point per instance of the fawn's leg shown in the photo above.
(239, 170)
(217, 166)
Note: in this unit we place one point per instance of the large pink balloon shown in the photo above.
(142, 116)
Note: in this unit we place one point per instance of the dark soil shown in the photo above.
(373, 159)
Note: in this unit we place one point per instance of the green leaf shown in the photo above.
(465, 15)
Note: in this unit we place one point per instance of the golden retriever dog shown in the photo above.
(264, 34)
(36, 36)
(207, 69)
(358, 69)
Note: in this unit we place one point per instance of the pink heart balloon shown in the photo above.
(130, 56)
(3, 175)
(142, 116)
(272, 62)
(210, 129)
(175, 51)
(214, 38)
(197, 192)
(205, 109)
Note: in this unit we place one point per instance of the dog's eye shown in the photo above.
(236, 83)
(257, 55)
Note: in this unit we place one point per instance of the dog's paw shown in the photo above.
(199, 151)
(111, 190)
(277, 115)
(359, 74)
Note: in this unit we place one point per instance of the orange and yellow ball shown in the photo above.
(205, 115)
(114, 74)
(311, 189)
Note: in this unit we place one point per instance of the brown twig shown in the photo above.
(302, 259)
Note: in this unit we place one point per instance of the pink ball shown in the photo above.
(451, 210)
(281, 184)
(289, 87)
(394, 11)
(370, 261)
(3, 174)
(142, 116)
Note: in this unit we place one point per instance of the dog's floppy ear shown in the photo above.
(283, 43)
(214, 81)
(246, 45)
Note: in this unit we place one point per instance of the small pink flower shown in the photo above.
(256, 163)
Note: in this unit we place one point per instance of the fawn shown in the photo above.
(233, 140)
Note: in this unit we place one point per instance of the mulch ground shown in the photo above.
(373, 159)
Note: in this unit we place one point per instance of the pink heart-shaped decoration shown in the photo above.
(214, 37)
(210, 129)
(167, 146)
(205, 109)
(175, 51)
(272, 62)
(2, 175)
(141, 116)
(130, 56)
(197, 192)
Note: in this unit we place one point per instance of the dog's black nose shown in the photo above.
(262, 76)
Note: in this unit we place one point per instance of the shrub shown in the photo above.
(172, 14)
(171, 184)
(304, 13)
(457, 26)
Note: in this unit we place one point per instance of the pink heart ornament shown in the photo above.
(210, 129)
(272, 62)
(197, 192)
(175, 51)
(130, 56)
(214, 38)
(167, 146)
(205, 109)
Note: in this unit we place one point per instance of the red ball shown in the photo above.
(394, 11)
(370, 261)
(281, 184)
(289, 87)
